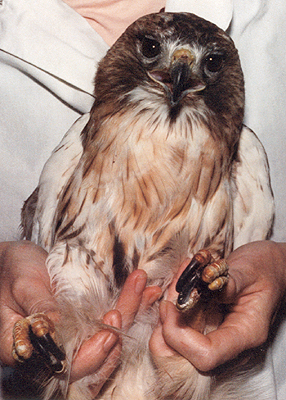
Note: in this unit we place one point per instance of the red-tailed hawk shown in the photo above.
(161, 169)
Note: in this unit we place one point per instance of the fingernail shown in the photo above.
(140, 284)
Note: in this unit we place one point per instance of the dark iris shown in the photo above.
(214, 62)
(150, 47)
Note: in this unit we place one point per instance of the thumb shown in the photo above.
(158, 346)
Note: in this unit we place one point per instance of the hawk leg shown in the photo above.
(34, 336)
(202, 276)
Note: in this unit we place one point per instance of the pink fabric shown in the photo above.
(110, 18)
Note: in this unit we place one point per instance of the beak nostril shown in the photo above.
(183, 55)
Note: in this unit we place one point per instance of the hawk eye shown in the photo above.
(150, 47)
(214, 62)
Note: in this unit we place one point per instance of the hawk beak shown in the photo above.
(179, 80)
(183, 79)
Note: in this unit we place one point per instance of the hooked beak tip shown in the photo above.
(179, 80)
(184, 81)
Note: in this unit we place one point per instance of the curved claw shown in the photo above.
(45, 346)
(193, 269)
(34, 338)
(201, 277)
(190, 284)
(187, 298)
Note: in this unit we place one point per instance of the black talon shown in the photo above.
(49, 351)
(184, 294)
(190, 285)
(50, 345)
(189, 275)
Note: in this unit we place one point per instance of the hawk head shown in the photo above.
(179, 60)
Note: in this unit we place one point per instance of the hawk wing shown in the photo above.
(253, 202)
(55, 175)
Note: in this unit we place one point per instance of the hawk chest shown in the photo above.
(152, 177)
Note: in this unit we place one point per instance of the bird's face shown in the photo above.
(178, 59)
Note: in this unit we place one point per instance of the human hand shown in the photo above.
(101, 353)
(25, 290)
(255, 289)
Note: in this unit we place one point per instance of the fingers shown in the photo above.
(254, 291)
(257, 266)
(150, 295)
(157, 344)
(100, 353)
(133, 297)
(93, 353)
(245, 327)
(106, 369)
(7, 321)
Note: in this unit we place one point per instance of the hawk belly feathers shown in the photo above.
(161, 169)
